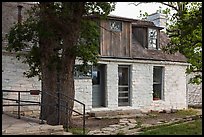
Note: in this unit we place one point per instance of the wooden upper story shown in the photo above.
(134, 39)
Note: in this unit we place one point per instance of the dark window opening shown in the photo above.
(157, 83)
(96, 77)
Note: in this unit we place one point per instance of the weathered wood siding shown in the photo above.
(140, 34)
(114, 43)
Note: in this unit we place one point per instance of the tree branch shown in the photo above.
(136, 4)
(198, 70)
(167, 4)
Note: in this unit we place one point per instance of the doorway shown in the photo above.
(123, 85)
(98, 86)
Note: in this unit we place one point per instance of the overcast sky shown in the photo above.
(125, 9)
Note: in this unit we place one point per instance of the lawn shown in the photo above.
(189, 128)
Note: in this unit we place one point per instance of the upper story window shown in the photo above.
(146, 37)
(115, 25)
(152, 39)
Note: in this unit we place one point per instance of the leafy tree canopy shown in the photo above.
(24, 37)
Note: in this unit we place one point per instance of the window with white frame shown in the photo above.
(158, 83)
(152, 38)
(115, 25)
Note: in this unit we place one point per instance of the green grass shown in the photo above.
(77, 131)
(139, 123)
(190, 128)
(120, 133)
(186, 112)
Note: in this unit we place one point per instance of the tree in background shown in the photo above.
(56, 33)
(185, 32)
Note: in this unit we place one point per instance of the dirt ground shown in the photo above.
(150, 118)
(94, 123)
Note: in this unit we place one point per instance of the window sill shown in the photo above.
(156, 99)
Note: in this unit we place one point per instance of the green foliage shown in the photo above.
(33, 60)
(87, 48)
(77, 131)
(186, 36)
(24, 38)
(99, 8)
(143, 15)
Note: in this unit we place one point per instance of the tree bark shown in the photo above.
(68, 59)
(62, 81)
(49, 102)
(67, 90)
(49, 85)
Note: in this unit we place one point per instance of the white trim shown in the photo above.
(128, 61)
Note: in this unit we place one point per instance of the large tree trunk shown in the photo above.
(49, 102)
(62, 81)
(67, 90)
(49, 85)
(70, 37)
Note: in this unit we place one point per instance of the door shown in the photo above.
(123, 86)
(98, 88)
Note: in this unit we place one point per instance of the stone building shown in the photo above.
(132, 71)
(194, 91)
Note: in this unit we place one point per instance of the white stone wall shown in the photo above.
(174, 87)
(142, 88)
(83, 93)
(12, 75)
(194, 93)
(175, 95)
(13, 79)
(141, 85)
(112, 85)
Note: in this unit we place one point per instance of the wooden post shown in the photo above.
(19, 105)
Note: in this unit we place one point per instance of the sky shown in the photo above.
(125, 9)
